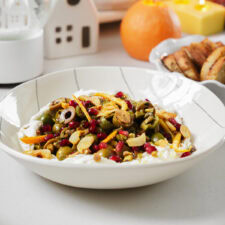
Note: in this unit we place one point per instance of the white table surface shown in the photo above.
(196, 197)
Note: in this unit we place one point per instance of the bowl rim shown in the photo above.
(54, 163)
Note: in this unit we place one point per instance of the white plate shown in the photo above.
(202, 111)
(169, 46)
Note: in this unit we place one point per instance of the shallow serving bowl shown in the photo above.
(202, 111)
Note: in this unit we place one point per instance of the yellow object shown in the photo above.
(182, 150)
(33, 140)
(204, 18)
(82, 108)
(110, 136)
(176, 141)
(64, 105)
(153, 3)
(165, 127)
(155, 154)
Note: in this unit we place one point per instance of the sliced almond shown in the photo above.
(185, 131)
(161, 143)
(138, 141)
(95, 100)
(75, 137)
(85, 143)
(42, 153)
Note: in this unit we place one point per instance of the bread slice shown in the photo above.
(217, 72)
(197, 53)
(214, 56)
(186, 65)
(209, 46)
(219, 44)
(170, 63)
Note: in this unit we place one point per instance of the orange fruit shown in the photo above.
(145, 25)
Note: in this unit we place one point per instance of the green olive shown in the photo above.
(156, 137)
(105, 152)
(57, 127)
(105, 124)
(63, 152)
(121, 137)
(122, 118)
(139, 113)
(46, 118)
(58, 113)
(150, 123)
(143, 105)
(79, 112)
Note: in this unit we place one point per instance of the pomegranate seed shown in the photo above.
(95, 148)
(124, 132)
(185, 154)
(49, 136)
(86, 104)
(46, 128)
(93, 122)
(146, 145)
(119, 146)
(101, 135)
(72, 103)
(93, 111)
(86, 124)
(64, 142)
(93, 126)
(135, 149)
(102, 145)
(92, 129)
(56, 135)
(175, 123)
(115, 158)
(119, 94)
(150, 149)
(74, 124)
(130, 106)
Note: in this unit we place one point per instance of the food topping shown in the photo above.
(108, 127)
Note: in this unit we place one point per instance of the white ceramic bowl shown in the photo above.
(202, 111)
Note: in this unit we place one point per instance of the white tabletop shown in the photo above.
(195, 197)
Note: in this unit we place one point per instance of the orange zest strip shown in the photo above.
(64, 105)
(33, 140)
(110, 136)
(82, 108)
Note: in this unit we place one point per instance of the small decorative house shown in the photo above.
(72, 29)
